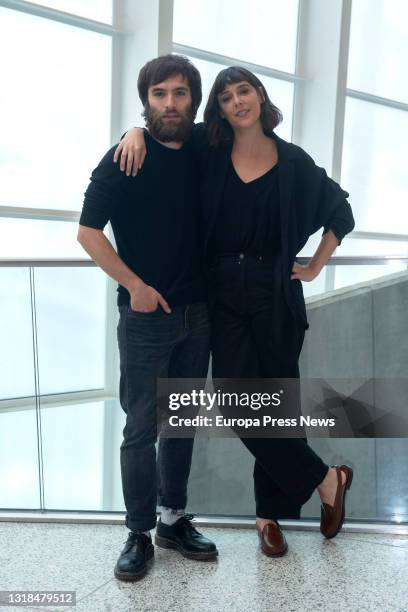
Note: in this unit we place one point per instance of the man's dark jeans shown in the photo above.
(156, 345)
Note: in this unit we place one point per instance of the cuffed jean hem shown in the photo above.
(140, 524)
(175, 503)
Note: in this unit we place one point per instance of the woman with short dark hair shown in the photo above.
(220, 131)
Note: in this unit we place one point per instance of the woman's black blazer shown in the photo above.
(309, 200)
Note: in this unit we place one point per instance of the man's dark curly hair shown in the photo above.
(165, 66)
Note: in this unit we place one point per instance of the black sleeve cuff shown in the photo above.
(90, 219)
(342, 222)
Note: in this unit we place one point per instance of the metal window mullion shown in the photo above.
(318, 63)
(297, 85)
(361, 235)
(116, 77)
(40, 214)
(47, 263)
(366, 97)
(165, 35)
(37, 388)
(228, 61)
(329, 278)
(340, 114)
(60, 16)
(55, 400)
(108, 456)
(110, 362)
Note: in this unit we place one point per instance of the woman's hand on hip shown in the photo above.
(304, 273)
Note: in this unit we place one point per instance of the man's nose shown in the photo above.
(169, 100)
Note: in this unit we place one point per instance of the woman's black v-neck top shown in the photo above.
(248, 216)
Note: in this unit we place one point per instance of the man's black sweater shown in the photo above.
(154, 217)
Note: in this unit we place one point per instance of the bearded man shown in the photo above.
(163, 328)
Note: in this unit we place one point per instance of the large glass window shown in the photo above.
(59, 316)
(54, 110)
(261, 32)
(74, 458)
(37, 238)
(374, 165)
(71, 314)
(17, 378)
(98, 10)
(376, 130)
(55, 120)
(378, 48)
(19, 482)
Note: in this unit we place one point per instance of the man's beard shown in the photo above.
(169, 131)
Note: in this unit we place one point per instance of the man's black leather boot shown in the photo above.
(183, 536)
(132, 563)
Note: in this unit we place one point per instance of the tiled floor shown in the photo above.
(353, 572)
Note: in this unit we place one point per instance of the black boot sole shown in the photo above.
(199, 556)
(135, 576)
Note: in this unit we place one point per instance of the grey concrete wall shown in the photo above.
(355, 333)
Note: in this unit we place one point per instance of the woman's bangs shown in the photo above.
(229, 76)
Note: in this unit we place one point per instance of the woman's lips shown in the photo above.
(242, 113)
